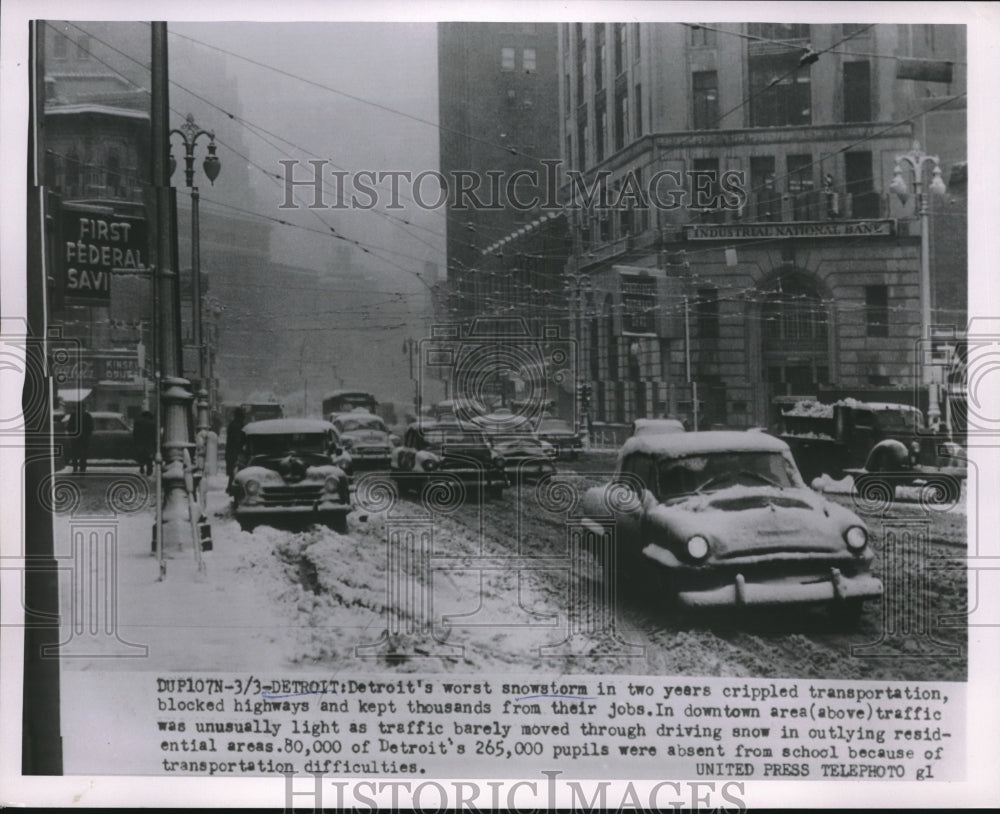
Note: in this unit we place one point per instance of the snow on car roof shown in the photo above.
(815, 409)
(642, 425)
(287, 426)
(678, 445)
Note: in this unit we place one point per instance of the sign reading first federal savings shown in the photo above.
(94, 247)
(769, 231)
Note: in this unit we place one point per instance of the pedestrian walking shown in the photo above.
(234, 443)
(81, 427)
(144, 441)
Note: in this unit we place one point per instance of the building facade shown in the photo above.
(748, 250)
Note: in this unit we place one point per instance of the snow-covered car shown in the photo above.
(365, 437)
(502, 422)
(525, 454)
(288, 474)
(727, 521)
(436, 451)
(561, 435)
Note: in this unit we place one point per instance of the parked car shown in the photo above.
(561, 435)
(726, 521)
(111, 441)
(434, 450)
(365, 436)
(525, 454)
(287, 473)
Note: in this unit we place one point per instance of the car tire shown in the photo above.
(494, 491)
(339, 524)
(248, 526)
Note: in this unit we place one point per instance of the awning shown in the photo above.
(73, 394)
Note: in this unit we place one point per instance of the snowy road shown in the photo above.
(493, 587)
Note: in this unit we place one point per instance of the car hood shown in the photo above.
(745, 521)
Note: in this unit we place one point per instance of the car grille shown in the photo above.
(303, 495)
(370, 451)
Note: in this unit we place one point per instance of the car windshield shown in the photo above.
(109, 423)
(553, 424)
(720, 470)
(897, 419)
(285, 443)
(368, 422)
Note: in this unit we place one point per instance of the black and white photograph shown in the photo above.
(598, 395)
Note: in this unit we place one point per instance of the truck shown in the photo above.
(880, 444)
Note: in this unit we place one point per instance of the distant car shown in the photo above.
(525, 454)
(365, 437)
(111, 441)
(656, 426)
(287, 474)
(728, 522)
(561, 435)
(435, 451)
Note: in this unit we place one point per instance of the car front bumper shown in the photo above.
(319, 511)
(833, 587)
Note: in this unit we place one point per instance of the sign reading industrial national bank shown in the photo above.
(96, 244)
(770, 231)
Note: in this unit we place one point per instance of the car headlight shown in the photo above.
(252, 487)
(498, 461)
(430, 465)
(331, 484)
(347, 444)
(697, 547)
(856, 538)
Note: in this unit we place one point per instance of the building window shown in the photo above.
(763, 189)
(602, 128)
(601, 57)
(528, 59)
(864, 201)
(636, 44)
(705, 94)
(112, 175)
(583, 145)
(581, 70)
(621, 119)
(701, 36)
(857, 92)
(507, 59)
(569, 148)
(780, 90)
(83, 47)
(619, 48)
(569, 95)
(638, 111)
(877, 310)
(707, 313)
(801, 188)
(793, 312)
(73, 171)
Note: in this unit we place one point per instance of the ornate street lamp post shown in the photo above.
(916, 159)
(190, 133)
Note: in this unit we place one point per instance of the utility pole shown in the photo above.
(175, 395)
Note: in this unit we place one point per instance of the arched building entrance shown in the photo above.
(795, 336)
